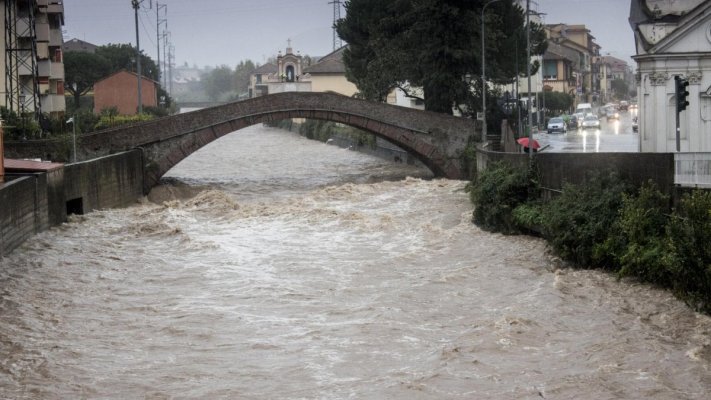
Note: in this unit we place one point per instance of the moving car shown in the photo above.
(573, 123)
(556, 124)
(612, 114)
(591, 121)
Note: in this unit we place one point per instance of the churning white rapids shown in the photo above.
(274, 267)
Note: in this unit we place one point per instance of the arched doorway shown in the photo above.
(290, 73)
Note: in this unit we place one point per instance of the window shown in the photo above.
(550, 69)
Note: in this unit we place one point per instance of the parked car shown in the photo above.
(591, 121)
(556, 124)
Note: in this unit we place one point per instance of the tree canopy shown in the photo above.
(82, 69)
(435, 45)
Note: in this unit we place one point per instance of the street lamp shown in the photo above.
(74, 138)
(21, 98)
(483, 73)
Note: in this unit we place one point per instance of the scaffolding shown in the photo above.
(21, 71)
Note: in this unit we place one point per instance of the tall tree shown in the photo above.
(432, 44)
(218, 81)
(243, 71)
(81, 70)
(123, 56)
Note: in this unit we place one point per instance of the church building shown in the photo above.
(673, 39)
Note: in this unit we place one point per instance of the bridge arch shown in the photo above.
(437, 140)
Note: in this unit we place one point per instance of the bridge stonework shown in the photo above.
(437, 140)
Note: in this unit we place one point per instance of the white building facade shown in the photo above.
(675, 40)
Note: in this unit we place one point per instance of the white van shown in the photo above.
(585, 108)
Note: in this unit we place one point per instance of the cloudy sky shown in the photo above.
(217, 32)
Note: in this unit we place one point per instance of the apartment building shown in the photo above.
(32, 66)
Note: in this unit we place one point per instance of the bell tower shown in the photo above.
(289, 65)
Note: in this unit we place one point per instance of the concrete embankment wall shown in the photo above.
(32, 203)
(557, 169)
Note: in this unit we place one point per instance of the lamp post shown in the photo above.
(483, 73)
(21, 99)
(74, 137)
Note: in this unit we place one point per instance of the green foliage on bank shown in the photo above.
(110, 120)
(607, 223)
(498, 191)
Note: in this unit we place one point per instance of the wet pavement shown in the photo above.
(614, 136)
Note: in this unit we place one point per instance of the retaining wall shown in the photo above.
(33, 203)
(556, 169)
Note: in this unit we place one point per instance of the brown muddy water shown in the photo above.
(274, 267)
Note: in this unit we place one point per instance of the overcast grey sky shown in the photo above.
(216, 32)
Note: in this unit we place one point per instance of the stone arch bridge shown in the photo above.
(437, 140)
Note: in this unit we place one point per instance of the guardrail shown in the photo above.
(692, 169)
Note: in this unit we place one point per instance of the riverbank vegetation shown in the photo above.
(607, 223)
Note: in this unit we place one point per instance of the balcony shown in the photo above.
(42, 32)
(56, 71)
(53, 103)
(55, 7)
(42, 51)
(52, 70)
(55, 37)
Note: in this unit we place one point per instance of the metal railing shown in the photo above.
(692, 169)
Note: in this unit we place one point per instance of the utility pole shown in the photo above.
(136, 4)
(528, 72)
(166, 40)
(171, 59)
(336, 16)
(160, 21)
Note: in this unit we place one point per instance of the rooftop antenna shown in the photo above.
(336, 16)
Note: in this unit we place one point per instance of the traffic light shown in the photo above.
(681, 93)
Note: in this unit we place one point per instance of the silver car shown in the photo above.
(591, 121)
(556, 124)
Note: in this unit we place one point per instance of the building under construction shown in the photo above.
(33, 67)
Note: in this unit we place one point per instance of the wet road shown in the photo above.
(614, 136)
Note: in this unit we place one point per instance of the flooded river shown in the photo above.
(273, 267)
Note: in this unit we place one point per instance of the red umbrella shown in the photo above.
(524, 142)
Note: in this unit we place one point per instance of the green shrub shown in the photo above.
(108, 120)
(529, 217)
(689, 235)
(637, 243)
(580, 218)
(497, 191)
